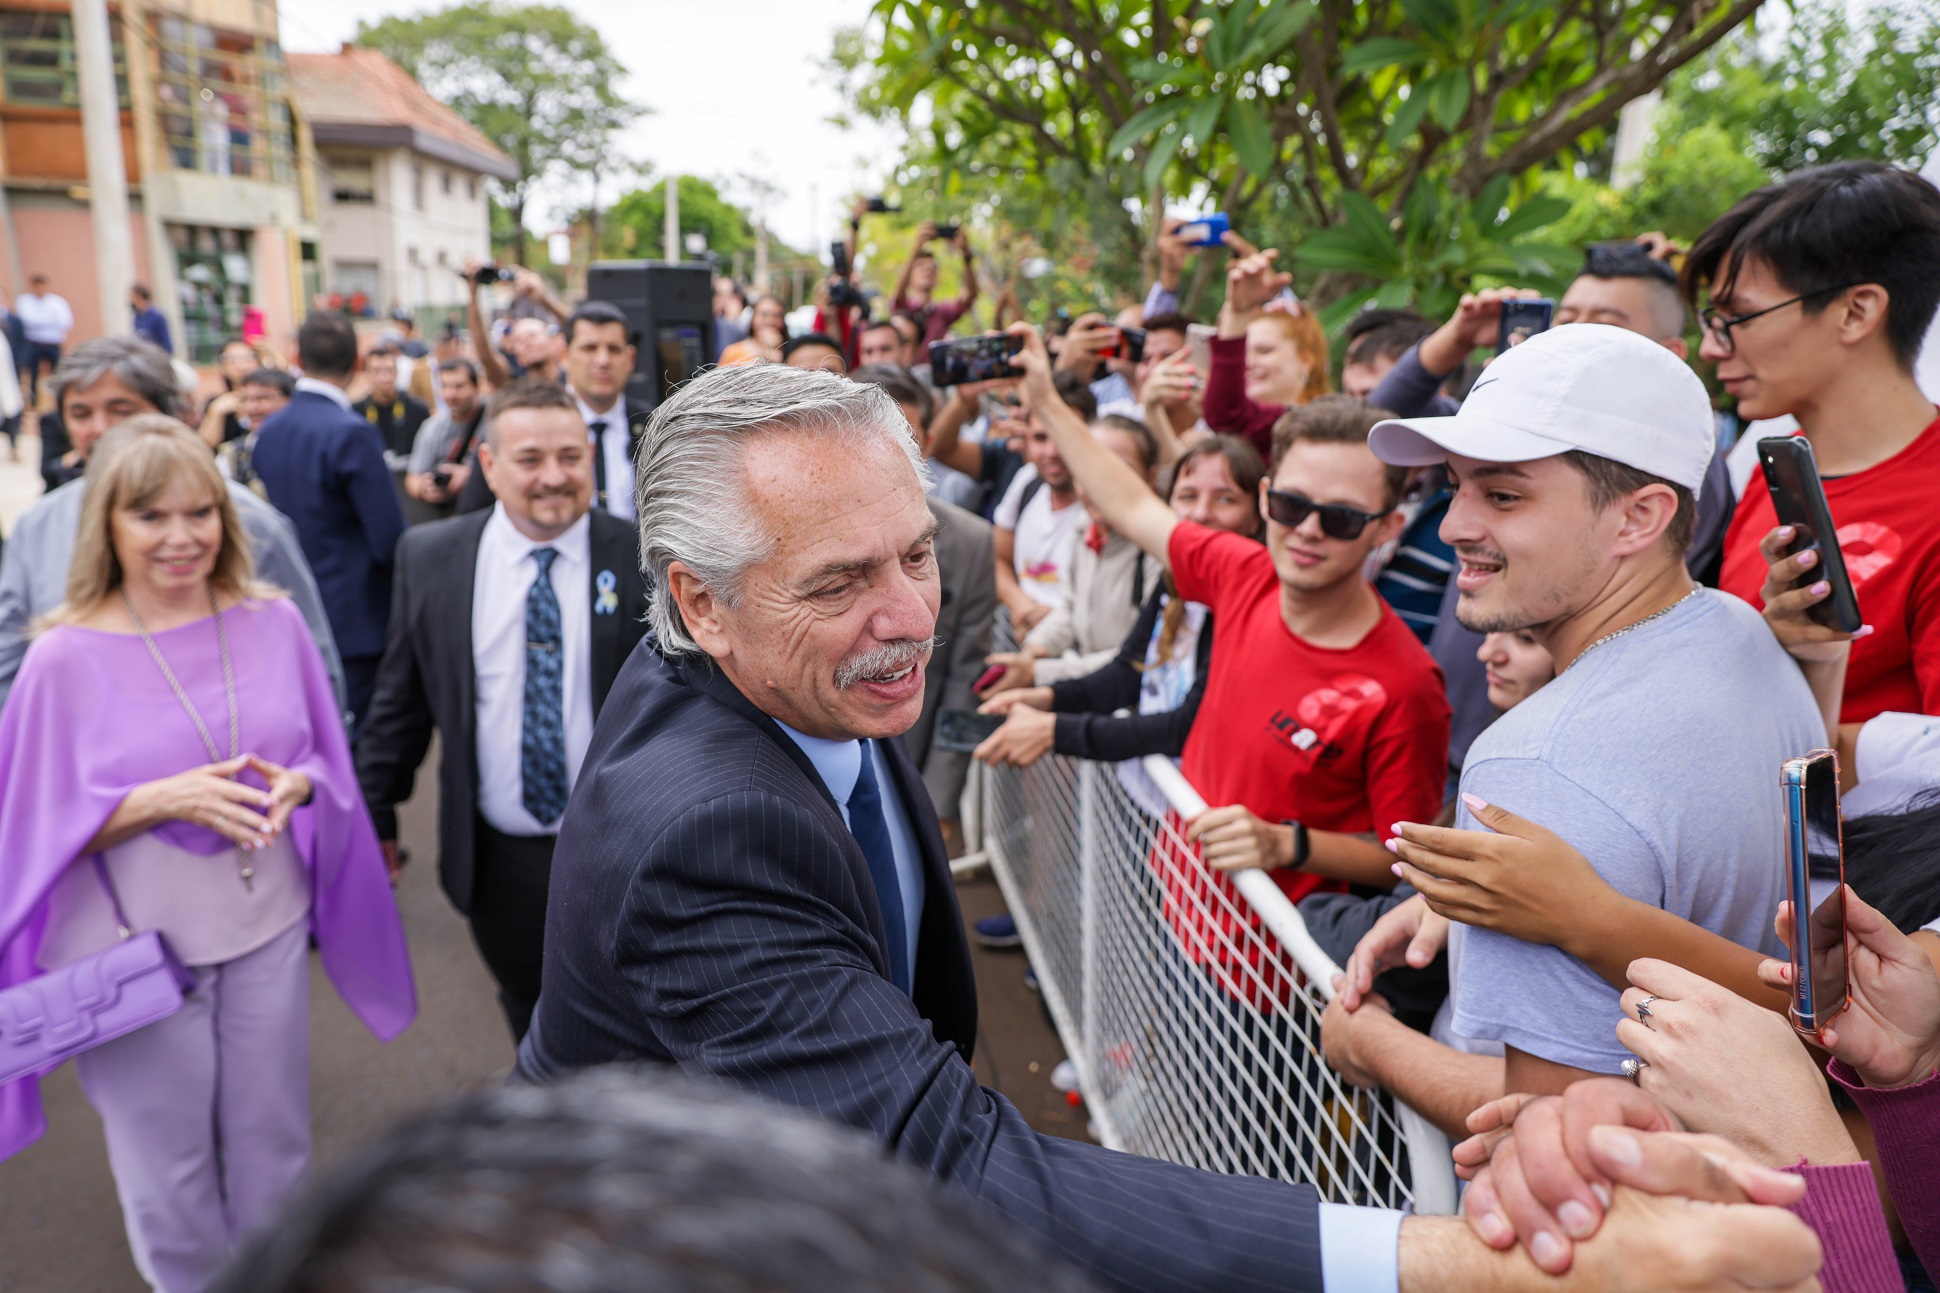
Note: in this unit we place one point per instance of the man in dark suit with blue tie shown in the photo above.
(750, 882)
(508, 627)
(324, 469)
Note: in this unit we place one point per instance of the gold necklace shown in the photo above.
(1655, 615)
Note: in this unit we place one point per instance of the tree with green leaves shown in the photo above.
(538, 81)
(1394, 146)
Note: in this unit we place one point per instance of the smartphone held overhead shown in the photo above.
(1815, 884)
(1522, 320)
(1798, 498)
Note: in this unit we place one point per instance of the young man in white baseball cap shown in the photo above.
(1656, 750)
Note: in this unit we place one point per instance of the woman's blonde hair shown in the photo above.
(131, 467)
(1310, 340)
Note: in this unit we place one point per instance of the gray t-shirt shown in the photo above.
(1657, 755)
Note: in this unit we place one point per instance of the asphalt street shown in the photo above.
(60, 1224)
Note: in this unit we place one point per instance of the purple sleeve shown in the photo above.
(1160, 300)
(1906, 1125)
(1410, 391)
(1841, 1204)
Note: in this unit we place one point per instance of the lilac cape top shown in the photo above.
(91, 717)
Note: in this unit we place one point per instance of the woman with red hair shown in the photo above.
(1270, 353)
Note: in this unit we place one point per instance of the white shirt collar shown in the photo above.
(613, 417)
(510, 547)
(838, 763)
(335, 394)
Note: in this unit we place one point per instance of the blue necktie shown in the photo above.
(542, 736)
(871, 831)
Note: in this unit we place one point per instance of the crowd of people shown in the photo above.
(1490, 661)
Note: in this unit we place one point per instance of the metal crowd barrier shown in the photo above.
(1190, 1005)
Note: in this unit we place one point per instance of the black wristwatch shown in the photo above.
(1300, 843)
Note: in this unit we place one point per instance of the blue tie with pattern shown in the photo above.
(871, 831)
(542, 736)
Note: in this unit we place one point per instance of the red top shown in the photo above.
(1347, 739)
(1227, 409)
(1889, 532)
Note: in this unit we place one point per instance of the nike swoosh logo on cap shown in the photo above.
(1484, 382)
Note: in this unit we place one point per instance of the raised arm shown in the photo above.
(947, 444)
(491, 365)
(1115, 491)
(968, 296)
(924, 233)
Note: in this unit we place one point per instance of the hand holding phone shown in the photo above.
(960, 360)
(1815, 884)
(1798, 498)
(963, 730)
(1521, 320)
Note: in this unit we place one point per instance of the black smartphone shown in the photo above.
(1815, 882)
(1798, 496)
(947, 231)
(958, 360)
(963, 730)
(881, 206)
(1130, 346)
(443, 472)
(1522, 320)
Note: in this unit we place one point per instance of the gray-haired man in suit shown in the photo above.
(750, 883)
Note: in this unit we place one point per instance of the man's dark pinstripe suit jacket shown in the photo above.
(710, 909)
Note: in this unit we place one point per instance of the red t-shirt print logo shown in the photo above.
(1868, 548)
(1327, 713)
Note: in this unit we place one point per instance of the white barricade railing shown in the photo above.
(1190, 1005)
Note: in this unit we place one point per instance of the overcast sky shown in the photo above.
(735, 88)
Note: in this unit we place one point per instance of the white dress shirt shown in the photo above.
(335, 394)
(619, 466)
(44, 320)
(839, 764)
(500, 582)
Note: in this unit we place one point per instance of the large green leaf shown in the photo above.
(1530, 216)
(1161, 157)
(1367, 220)
(1407, 119)
(1205, 116)
(1382, 51)
(1228, 33)
(1248, 133)
(1275, 30)
(1147, 121)
(1448, 95)
(1488, 203)
(1439, 19)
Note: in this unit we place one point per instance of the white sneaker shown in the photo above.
(1065, 1076)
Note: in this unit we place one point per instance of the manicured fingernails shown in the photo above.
(1399, 874)
(1618, 1144)
(1808, 558)
(1547, 1249)
(1821, 588)
(1576, 1219)
(1476, 804)
(1392, 845)
(1865, 631)
(1785, 531)
(1601, 1191)
(1494, 1229)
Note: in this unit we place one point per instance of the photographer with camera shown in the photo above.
(916, 285)
(532, 342)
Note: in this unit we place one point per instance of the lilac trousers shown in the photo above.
(207, 1112)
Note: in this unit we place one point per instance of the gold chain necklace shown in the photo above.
(1655, 615)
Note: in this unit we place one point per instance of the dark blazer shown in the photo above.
(709, 908)
(966, 565)
(324, 469)
(428, 677)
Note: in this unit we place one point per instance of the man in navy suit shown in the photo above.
(324, 469)
(749, 881)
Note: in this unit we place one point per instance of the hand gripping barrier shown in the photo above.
(1189, 1003)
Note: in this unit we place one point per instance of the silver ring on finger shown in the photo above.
(1633, 1069)
(1643, 1011)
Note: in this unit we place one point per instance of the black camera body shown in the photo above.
(843, 294)
(880, 206)
(948, 231)
(486, 275)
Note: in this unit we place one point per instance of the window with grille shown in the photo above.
(224, 101)
(37, 60)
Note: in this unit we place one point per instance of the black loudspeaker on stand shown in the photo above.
(670, 313)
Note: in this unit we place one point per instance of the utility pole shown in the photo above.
(670, 233)
(114, 244)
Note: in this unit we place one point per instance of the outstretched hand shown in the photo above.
(1516, 877)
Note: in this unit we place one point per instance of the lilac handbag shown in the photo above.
(96, 999)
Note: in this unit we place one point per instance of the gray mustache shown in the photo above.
(890, 657)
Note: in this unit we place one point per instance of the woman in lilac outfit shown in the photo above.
(173, 717)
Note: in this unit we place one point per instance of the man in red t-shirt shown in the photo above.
(1324, 720)
(1821, 290)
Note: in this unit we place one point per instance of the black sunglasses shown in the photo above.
(1336, 521)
